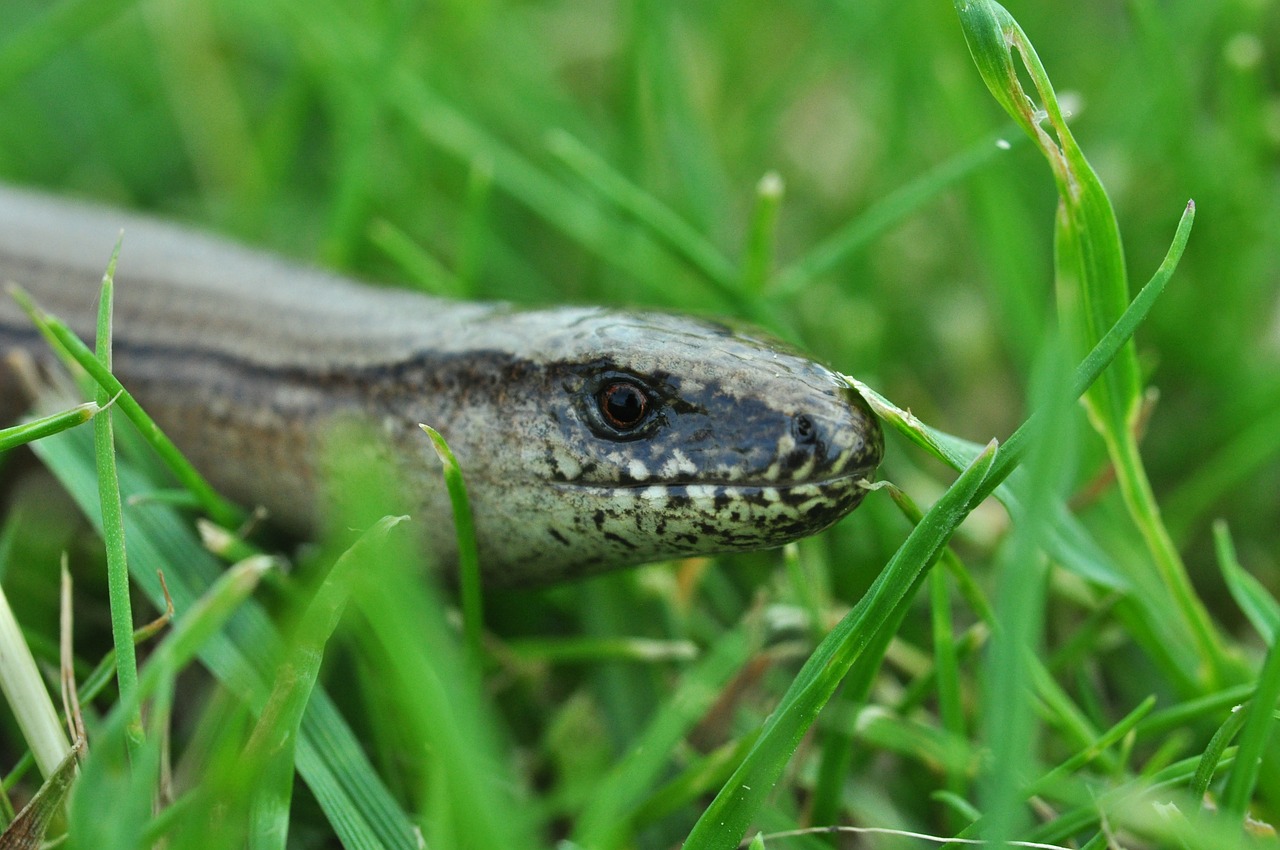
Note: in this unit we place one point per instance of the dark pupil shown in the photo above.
(623, 405)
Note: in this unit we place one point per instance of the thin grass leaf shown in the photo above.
(1193, 711)
(889, 211)
(28, 697)
(762, 237)
(270, 751)
(117, 765)
(20, 435)
(1092, 289)
(471, 800)
(947, 667)
(725, 821)
(1008, 711)
(468, 554)
(112, 517)
(1095, 748)
(1068, 542)
(1257, 603)
(361, 810)
(1213, 753)
(1255, 736)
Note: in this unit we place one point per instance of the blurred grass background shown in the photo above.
(318, 128)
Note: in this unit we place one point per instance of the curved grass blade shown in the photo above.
(1092, 286)
(730, 814)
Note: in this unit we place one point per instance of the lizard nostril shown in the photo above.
(804, 429)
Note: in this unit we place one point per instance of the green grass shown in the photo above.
(1077, 643)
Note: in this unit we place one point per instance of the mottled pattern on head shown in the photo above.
(744, 445)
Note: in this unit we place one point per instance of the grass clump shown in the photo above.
(1077, 673)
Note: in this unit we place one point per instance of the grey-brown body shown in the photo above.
(243, 358)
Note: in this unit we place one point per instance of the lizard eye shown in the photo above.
(623, 404)
(620, 406)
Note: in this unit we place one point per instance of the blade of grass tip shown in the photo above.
(20, 435)
(1193, 711)
(1095, 748)
(1112, 342)
(468, 556)
(113, 520)
(269, 753)
(1070, 544)
(27, 830)
(27, 696)
(93, 814)
(1212, 755)
(894, 208)
(1254, 737)
(762, 235)
(725, 821)
(1092, 286)
(64, 340)
(1258, 605)
(203, 619)
(939, 443)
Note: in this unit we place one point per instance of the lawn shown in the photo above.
(1063, 668)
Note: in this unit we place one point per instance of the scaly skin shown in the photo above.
(245, 360)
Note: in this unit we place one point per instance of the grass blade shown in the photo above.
(357, 804)
(891, 210)
(726, 820)
(113, 520)
(55, 423)
(27, 696)
(468, 555)
(1259, 724)
(1092, 286)
(1257, 603)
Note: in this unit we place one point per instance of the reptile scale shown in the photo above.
(590, 439)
